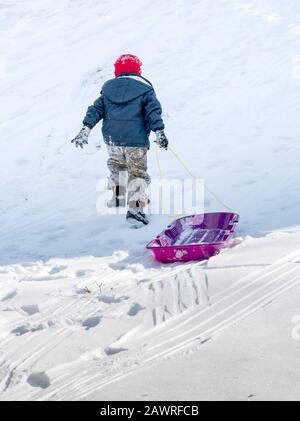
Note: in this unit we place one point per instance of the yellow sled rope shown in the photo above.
(175, 154)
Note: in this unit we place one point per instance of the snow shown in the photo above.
(85, 312)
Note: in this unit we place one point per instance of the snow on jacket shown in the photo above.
(129, 109)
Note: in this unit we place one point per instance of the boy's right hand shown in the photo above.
(161, 139)
(82, 137)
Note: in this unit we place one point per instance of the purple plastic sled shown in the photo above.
(195, 237)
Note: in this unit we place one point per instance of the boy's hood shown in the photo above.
(125, 89)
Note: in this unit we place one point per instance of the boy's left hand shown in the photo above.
(82, 137)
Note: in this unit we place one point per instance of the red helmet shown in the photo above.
(128, 63)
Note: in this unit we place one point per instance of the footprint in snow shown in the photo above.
(91, 322)
(10, 295)
(39, 379)
(57, 269)
(112, 351)
(31, 328)
(31, 309)
(22, 330)
(135, 309)
(82, 273)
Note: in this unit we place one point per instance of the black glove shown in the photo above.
(82, 137)
(161, 139)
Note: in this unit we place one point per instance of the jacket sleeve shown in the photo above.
(152, 112)
(94, 113)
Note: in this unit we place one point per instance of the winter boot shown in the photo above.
(137, 218)
(119, 197)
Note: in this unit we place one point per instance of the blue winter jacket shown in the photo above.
(129, 109)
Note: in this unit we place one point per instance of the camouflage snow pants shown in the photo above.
(128, 167)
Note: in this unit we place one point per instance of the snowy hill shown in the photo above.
(82, 303)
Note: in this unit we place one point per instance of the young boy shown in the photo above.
(130, 110)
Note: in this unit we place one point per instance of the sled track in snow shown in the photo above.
(59, 335)
(188, 332)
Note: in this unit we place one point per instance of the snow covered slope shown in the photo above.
(78, 291)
